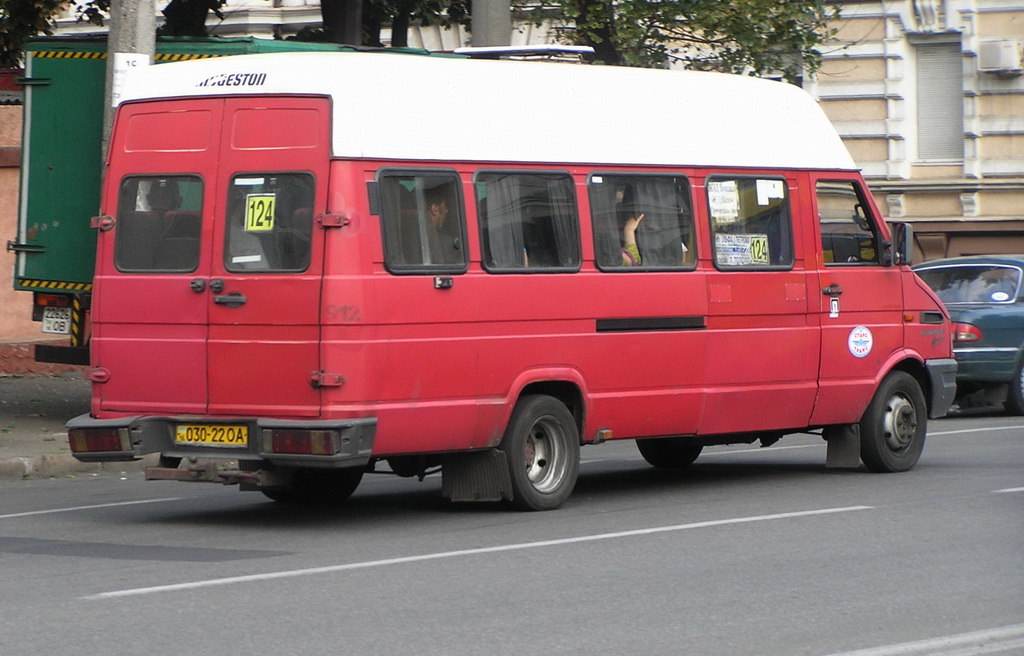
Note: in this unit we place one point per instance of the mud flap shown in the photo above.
(843, 446)
(476, 476)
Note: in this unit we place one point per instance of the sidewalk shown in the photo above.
(33, 409)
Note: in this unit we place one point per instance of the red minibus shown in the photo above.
(312, 265)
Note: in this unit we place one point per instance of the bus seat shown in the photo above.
(136, 240)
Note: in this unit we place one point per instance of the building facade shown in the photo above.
(929, 97)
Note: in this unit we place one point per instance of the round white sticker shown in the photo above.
(860, 341)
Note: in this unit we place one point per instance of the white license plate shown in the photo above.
(57, 320)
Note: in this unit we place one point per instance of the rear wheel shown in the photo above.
(1015, 395)
(893, 428)
(669, 452)
(317, 486)
(542, 449)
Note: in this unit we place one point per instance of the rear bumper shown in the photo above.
(141, 435)
(942, 374)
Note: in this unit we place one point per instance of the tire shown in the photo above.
(892, 431)
(669, 452)
(317, 487)
(542, 450)
(1015, 395)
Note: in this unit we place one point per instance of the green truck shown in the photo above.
(62, 168)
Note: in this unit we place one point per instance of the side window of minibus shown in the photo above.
(847, 234)
(750, 222)
(422, 222)
(641, 222)
(527, 221)
(158, 224)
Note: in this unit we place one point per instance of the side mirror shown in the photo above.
(902, 244)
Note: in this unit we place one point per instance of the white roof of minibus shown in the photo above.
(395, 106)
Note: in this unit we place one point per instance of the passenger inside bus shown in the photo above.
(641, 221)
(445, 247)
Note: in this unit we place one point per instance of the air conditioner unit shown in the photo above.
(1001, 57)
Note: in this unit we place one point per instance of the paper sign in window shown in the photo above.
(724, 201)
(741, 250)
(769, 189)
(259, 212)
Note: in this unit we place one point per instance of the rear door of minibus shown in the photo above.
(209, 267)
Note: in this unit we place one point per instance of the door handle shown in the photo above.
(232, 300)
(832, 290)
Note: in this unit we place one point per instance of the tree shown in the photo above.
(359, 22)
(181, 17)
(21, 20)
(752, 37)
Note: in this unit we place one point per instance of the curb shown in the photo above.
(53, 466)
(17, 357)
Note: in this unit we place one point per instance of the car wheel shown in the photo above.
(892, 430)
(542, 449)
(669, 452)
(1015, 395)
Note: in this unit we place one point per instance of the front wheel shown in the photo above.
(892, 430)
(542, 449)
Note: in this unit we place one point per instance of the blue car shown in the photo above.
(985, 297)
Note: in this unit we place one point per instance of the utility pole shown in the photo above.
(131, 44)
(491, 23)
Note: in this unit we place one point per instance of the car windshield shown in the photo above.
(981, 283)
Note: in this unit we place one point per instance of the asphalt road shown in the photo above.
(751, 551)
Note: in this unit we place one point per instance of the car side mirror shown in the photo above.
(902, 244)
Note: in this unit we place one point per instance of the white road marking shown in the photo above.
(460, 553)
(76, 508)
(987, 429)
(822, 444)
(1008, 490)
(1005, 639)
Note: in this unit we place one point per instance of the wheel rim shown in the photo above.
(900, 423)
(544, 455)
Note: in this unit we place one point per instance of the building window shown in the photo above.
(940, 102)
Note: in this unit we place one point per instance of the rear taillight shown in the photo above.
(304, 442)
(99, 440)
(52, 300)
(965, 332)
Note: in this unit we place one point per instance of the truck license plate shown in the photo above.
(213, 435)
(57, 320)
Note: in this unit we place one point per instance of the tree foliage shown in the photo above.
(181, 17)
(753, 37)
(399, 14)
(21, 20)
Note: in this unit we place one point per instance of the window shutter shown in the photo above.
(940, 102)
